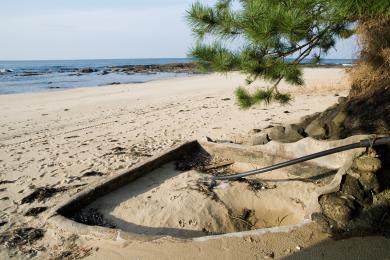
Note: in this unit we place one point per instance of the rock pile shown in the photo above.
(285, 134)
(156, 68)
(362, 204)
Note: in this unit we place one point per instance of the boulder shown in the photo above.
(336, 208)
(326, 225)
(339, 118)
(286, 134)
(369, 181)
(351, 187)
(259, 139)
(306, 120)
(316, 130)
(341, 100)
(367, 164)
(382, 199)
(87, 70)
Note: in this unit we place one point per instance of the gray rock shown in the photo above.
(87, 70)
(382, 199)
(336, 208)
(367, 164)
(276, 133)
(325, 224)
(351, 187)
(259, 139)
(339, 119)
(342, 100)
(295, 132)
(306, 120)
(286, 134)
(316, 130)
(369, 181)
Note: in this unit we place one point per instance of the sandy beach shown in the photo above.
(52, 139)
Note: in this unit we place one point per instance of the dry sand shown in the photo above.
(179, 204)
(52, 139)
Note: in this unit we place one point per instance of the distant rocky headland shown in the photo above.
(173, 67)
(146, 69)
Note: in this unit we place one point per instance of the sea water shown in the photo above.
(35, 76)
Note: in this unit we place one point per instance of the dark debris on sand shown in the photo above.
(255, 185)
(204, 163)
(20, 237)
(195, 161)
(92, 217)
(93, 174)
(207, 189)
(33, 212)
(6, 182)
(70, 250)
(41, 194)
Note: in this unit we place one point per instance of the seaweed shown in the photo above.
(92, 217)
(44, 193)
(33, 212)
(204, 163)
(41, 194)
(93, 174)
(21, 236)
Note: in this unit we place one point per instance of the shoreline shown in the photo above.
(114, 84)
(177, 76)
(52, 139)
(60, 78)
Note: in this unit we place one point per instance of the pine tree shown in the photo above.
(268, 32)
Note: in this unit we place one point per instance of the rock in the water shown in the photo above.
(87, 70)
(316, 130)
(259, 139)
(369, 181)
(367, 164)
(336, 208)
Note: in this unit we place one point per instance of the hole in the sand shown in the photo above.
(177, 199)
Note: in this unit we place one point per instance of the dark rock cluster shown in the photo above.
(362, 204)
(285, 134)
(156, 68)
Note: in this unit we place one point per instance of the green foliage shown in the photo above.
(214, 57)
(361, 9)
(263, 96)
(245, 99)
(283, 98)
(268, 32)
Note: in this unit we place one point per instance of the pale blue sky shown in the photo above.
(91, 29)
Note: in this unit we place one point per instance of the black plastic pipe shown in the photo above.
(362, 143)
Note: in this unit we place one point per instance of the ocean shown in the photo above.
(54, 75)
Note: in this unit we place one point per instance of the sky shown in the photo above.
(102, 29)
